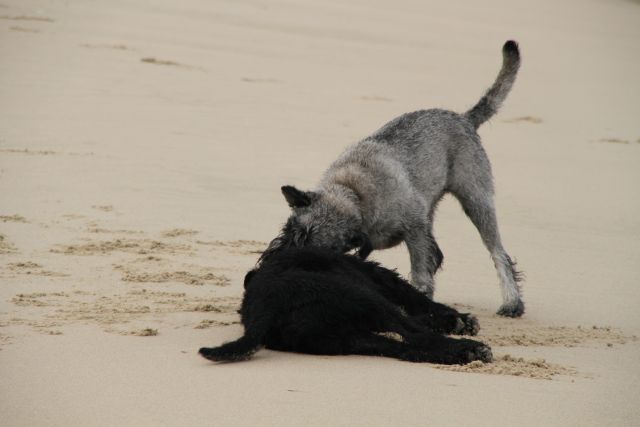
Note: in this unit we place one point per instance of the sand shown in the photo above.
(142, 147)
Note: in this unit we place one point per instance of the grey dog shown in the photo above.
(384, 190)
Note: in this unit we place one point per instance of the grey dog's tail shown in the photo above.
(242, 348)
(492, 100)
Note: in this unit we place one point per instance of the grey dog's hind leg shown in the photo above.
(471, 183)
(482, 213)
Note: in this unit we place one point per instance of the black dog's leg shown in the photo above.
(378, 345)
(436, 316)
(450, 323)
(437, 348)
(447, 350)
(367, 344)
(430, 348)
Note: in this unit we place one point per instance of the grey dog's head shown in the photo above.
(328, 219)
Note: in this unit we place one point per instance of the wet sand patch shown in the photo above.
(209, 323)
(515, 366)
(167, 63)
(524, 119)
(28, 151)
(146, 332)
(100, 230)
(243, 247)
(375, 98)
(177, 232)
(24, 30)
(27, 18)
(32, 268)
(498, 331)
(57, 309)
(103, 208)
(13, 218)
(260, 80)
(6, 247)
(613, 141)
(138, 246)
(105, 46)
(186, 277)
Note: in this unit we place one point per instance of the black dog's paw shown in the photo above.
(443, 323)
(450, 322)
(463, 351)
(482, 353)
(467, 324)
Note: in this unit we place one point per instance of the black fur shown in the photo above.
(317, 301)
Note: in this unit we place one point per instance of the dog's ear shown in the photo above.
(248, 277)
(296, 198)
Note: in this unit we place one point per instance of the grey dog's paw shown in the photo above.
(467, 324)
(512, 310)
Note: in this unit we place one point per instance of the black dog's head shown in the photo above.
(321, 220)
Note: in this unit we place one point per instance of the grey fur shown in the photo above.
(384, 190)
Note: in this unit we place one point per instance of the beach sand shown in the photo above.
(142, 148)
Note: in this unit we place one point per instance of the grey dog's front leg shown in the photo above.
(422, 249)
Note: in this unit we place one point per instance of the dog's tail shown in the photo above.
(242, 348)
(493, 98)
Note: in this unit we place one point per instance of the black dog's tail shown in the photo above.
(240, 349)
(492, 100)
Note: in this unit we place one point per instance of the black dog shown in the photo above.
(316, 301)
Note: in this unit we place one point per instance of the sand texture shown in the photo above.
(142, 149)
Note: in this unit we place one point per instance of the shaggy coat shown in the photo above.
(318, 301)
(384, 190)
